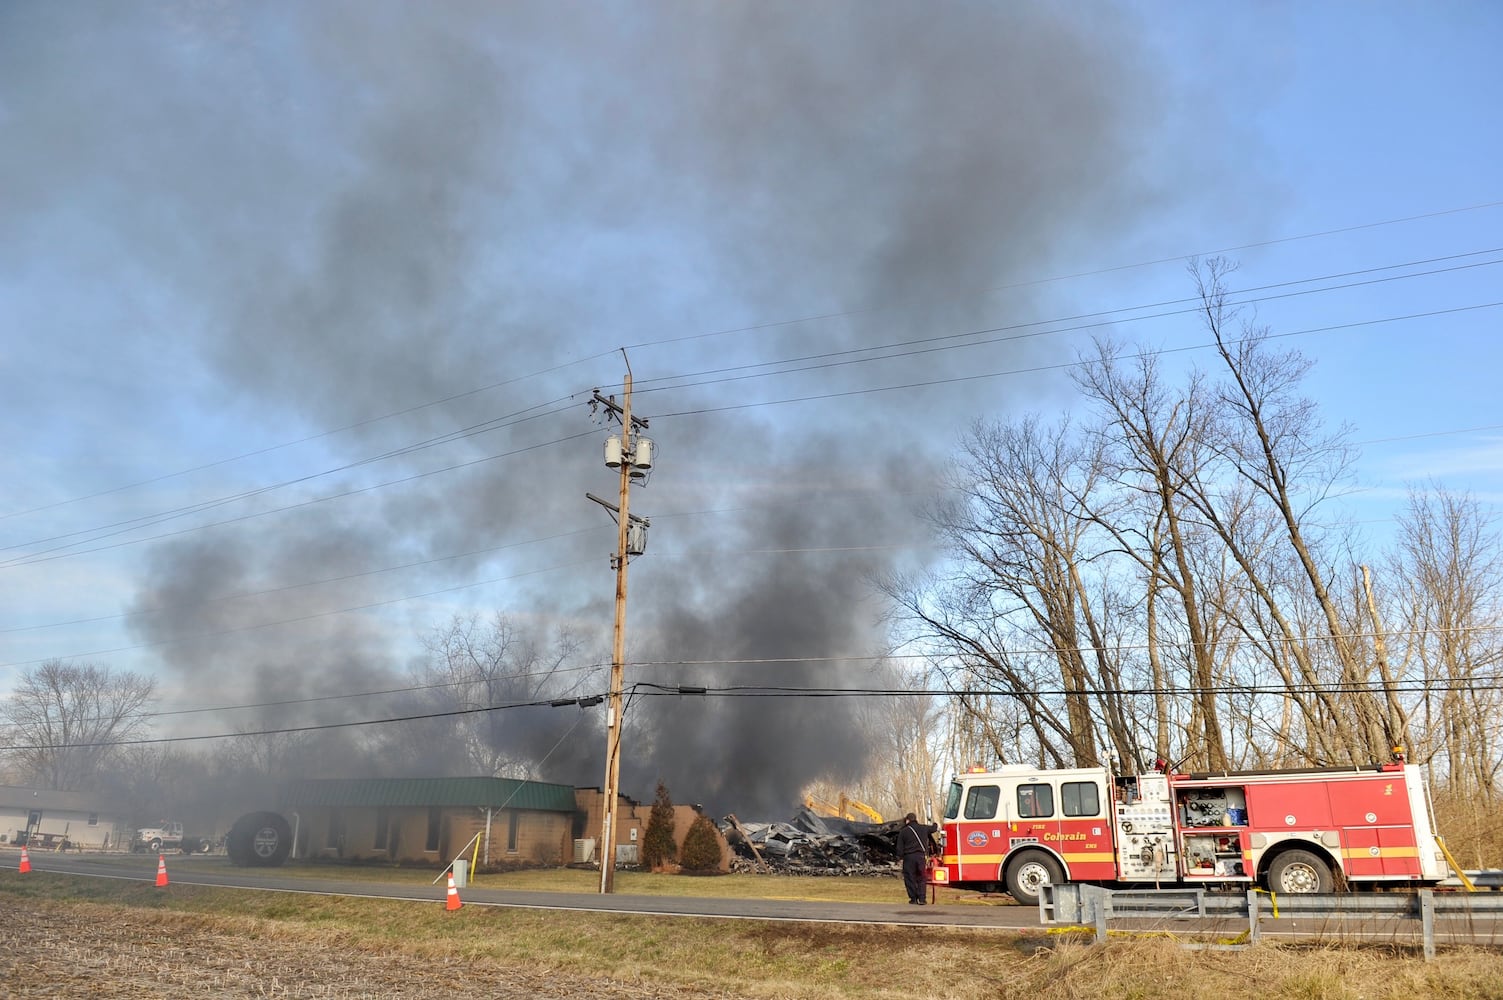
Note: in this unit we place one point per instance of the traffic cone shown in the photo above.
(25, 861)
(453, 902)
(161, 870)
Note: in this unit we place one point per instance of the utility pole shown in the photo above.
(631, 454)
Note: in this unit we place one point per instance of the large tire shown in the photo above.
(1027, 873)
(259, 840)
(1299, 872)
(156, 845)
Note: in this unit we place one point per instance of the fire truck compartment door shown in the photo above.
(1380, 850)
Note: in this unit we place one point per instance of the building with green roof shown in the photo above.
(495, 821)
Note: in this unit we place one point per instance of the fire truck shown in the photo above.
(1291, 831)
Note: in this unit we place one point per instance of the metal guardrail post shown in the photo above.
(1092, 907)
(1062, 904)
(1254, 934)
(1427, 921)
(1088, 907)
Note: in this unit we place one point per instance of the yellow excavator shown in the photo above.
(848, 809)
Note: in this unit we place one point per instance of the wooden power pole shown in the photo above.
(634, 457)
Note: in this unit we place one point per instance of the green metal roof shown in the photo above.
(499, 793)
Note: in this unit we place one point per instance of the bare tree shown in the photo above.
(1271, 439)
(1189, 520)
(1155, 438)
(1018, 617)
(475, 665)
(65, 721)
(159, 782)
(907, 772)
(1448, 563)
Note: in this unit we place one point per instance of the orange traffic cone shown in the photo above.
(453, 903)
(25, 861)
(161, 870)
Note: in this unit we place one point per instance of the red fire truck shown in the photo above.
(1288, 831)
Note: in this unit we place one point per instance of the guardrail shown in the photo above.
(1094, 906)
(1486, 878)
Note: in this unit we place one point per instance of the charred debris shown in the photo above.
(810, 844)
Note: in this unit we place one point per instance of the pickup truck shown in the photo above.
(166, 837)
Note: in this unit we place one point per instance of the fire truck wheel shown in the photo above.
(1299, 872)
(1027, 874)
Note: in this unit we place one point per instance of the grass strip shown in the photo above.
(663, 956)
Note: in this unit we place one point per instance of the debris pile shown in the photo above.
(810, 844)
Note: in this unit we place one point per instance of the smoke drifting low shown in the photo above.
(776, 608)
(353, 209)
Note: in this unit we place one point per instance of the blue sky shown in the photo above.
(234, 235)
(1353, 106)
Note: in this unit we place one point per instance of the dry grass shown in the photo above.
(73, 937)
(1471, 830)
(829, 889)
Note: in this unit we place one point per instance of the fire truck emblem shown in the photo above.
(1371, 817)
(976, 838)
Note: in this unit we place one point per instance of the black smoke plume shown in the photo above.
(351, 209)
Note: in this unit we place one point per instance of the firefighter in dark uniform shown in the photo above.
(914, 849)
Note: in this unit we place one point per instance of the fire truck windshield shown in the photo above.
(952, 804)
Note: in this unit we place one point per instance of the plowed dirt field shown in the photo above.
(135, 955)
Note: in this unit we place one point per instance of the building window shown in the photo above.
(383, 820)
(93, 819)
(981, 802)
(511, 832)
(435, 824)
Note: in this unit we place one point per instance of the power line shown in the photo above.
(1430, 434)
(298, 619)
(1084, 274)
(707, 410)
(889, 656)
(1037, 369)
(245, 595)
(303, 440)
(742, 329)
(649, 689)
(812, 660)
(160, 517)
(286, 730)
(518, 416)
(940, 346)
(1118, 647)
(351, 696)
(1102, 314)
(49, 555)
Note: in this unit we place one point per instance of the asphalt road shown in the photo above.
(209, 870)
(1482, 927)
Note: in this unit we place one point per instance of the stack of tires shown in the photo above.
(259, 840)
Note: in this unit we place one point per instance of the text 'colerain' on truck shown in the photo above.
(1292, 831)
